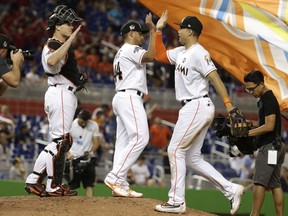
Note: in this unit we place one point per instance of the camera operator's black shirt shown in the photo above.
(268, 105)
(4, 68)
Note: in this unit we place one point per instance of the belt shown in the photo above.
(141, 94)
(48, 151)
(70, 88)
(185, 101)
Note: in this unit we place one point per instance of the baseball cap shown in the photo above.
(84, 115)
(132, 26)
(5, 43)
(191, 22)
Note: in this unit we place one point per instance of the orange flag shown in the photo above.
(241, 35)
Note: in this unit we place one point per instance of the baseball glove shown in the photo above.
(238, 125)
(82, 79)
(246, 145)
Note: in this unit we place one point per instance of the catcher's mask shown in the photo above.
(61, 15)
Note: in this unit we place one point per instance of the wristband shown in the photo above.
(226, 101)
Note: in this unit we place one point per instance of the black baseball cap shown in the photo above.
(132, 26)
(84, 115)
(5, 43)
(191, 22)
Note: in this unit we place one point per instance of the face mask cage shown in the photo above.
(66, 15)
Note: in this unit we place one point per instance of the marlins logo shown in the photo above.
(136, 50)
(208, 60)
(5, 44)
(132, 27)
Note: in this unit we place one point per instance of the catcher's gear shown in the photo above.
(246, 145)
(63, 146)
(238, 125)
(83, 78)
(63, 190)
(37, 189)
(62, 14)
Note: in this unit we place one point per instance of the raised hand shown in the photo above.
(148, 21)
(162, 21)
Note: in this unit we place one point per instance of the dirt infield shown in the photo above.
(78, 206)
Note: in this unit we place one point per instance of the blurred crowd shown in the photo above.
(25, 22)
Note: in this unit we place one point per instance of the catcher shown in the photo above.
(64, 79)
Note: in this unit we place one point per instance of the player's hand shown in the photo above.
(149, 23)
(74, 34)
(162, 21)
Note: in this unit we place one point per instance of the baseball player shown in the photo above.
(64, 79)
(193, 71)
(130, 86)
(85, 134)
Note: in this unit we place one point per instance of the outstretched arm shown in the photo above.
(149, 55)
(59, 54)
(160, 50)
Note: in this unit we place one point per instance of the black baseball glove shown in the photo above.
(246, 145)
(82, 79)
(238, 125)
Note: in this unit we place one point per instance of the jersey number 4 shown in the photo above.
(117, 72)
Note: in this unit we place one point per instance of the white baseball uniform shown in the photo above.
(132, 125)
(192, 66)
(60, 105)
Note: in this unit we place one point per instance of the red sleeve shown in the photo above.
(160, 50)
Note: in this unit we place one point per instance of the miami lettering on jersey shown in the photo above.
(182, 69)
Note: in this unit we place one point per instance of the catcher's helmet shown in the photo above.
(62, 14)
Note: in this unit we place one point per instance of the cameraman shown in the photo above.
(85, 134)
(10, 74)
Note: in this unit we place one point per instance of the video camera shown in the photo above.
(5, 43)
(28, 55)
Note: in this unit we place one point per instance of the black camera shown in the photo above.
(28, 55)
(278, 142)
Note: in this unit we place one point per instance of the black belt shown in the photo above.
(70, 88)
(183, 102)
(138, 92)
(48, 151)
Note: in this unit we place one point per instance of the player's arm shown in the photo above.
(149, 55)
(60, 53)
(221, 89)
(160, 50)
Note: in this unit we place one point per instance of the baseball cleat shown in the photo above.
(131, 194)
(117, 189)
(63, 190)
(134, 194)
(236, 200)
(166, 207)
(37, 189)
